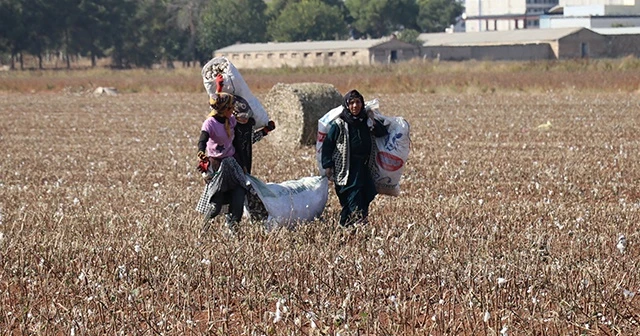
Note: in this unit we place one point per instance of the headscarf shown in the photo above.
(220, 102)
(346, 114)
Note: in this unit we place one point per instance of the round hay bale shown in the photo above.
(296, 109)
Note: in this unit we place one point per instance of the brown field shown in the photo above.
(501, 226)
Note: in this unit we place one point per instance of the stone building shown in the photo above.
(318, 53)
(524, 44)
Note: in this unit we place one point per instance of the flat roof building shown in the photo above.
(319, 53)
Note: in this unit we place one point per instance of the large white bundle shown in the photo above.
(393, 149)
(293, 201)
(234, 84)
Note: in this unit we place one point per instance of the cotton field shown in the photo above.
(518, 215)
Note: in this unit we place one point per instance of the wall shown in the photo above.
(277, 59)
(570, 46)
(624, 45)
(382, 54)
(499, 52)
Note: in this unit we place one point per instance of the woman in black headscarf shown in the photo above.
(348, 152)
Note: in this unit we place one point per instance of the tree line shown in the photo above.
(141, 33)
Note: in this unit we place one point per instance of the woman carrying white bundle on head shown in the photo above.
(226, 181)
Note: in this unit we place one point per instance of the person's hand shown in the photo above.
(328, 172)
(271, 125)
(202, 156)
(219, 83)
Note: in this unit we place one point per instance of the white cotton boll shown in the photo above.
(504, 331)
(381, 252)
(622, 243)
(486, 317)
(501, 281)
(206, 262)
(278, 314)
(312, 317)
(122, 272)
(137, 248)
(76, 201)
(628, 294)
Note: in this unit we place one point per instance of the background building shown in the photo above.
(593, 14)
(318, 53)
(484, 15)
(525, 44)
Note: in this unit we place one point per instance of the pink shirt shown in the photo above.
(219, 145)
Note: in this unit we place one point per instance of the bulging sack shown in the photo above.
(233, 84)
(291, 202)
(393, 152)
(393, 149)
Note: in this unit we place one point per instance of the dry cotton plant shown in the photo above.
(511, 209)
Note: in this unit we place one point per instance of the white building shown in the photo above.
(593, 14)
(484, 15)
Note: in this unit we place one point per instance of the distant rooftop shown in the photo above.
(302, 46)
(617, 31)
(521, 36)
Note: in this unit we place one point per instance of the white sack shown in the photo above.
(293, 201)
(323, 129)
(393, 152)
(393, 149)
(233, 84)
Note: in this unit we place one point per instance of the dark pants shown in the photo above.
(235, 199)
(355, 206)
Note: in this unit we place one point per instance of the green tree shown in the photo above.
(275, 7)
(84, 31)
(41, 18)
(226, 22)
(185, 16)
(12, 29)
(410, 36)
(308, 19)
(378, 18)
(437, 15)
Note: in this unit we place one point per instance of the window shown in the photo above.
(269, 55)
(343, 53)
(306, 55)
(318, 54)
(330, 54)
(235, 56)
(294, 55)
(246, 56)
(353, 53)
(282, 55)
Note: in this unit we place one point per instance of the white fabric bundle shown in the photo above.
(293, 201)
(233, 84)
(393, 149)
